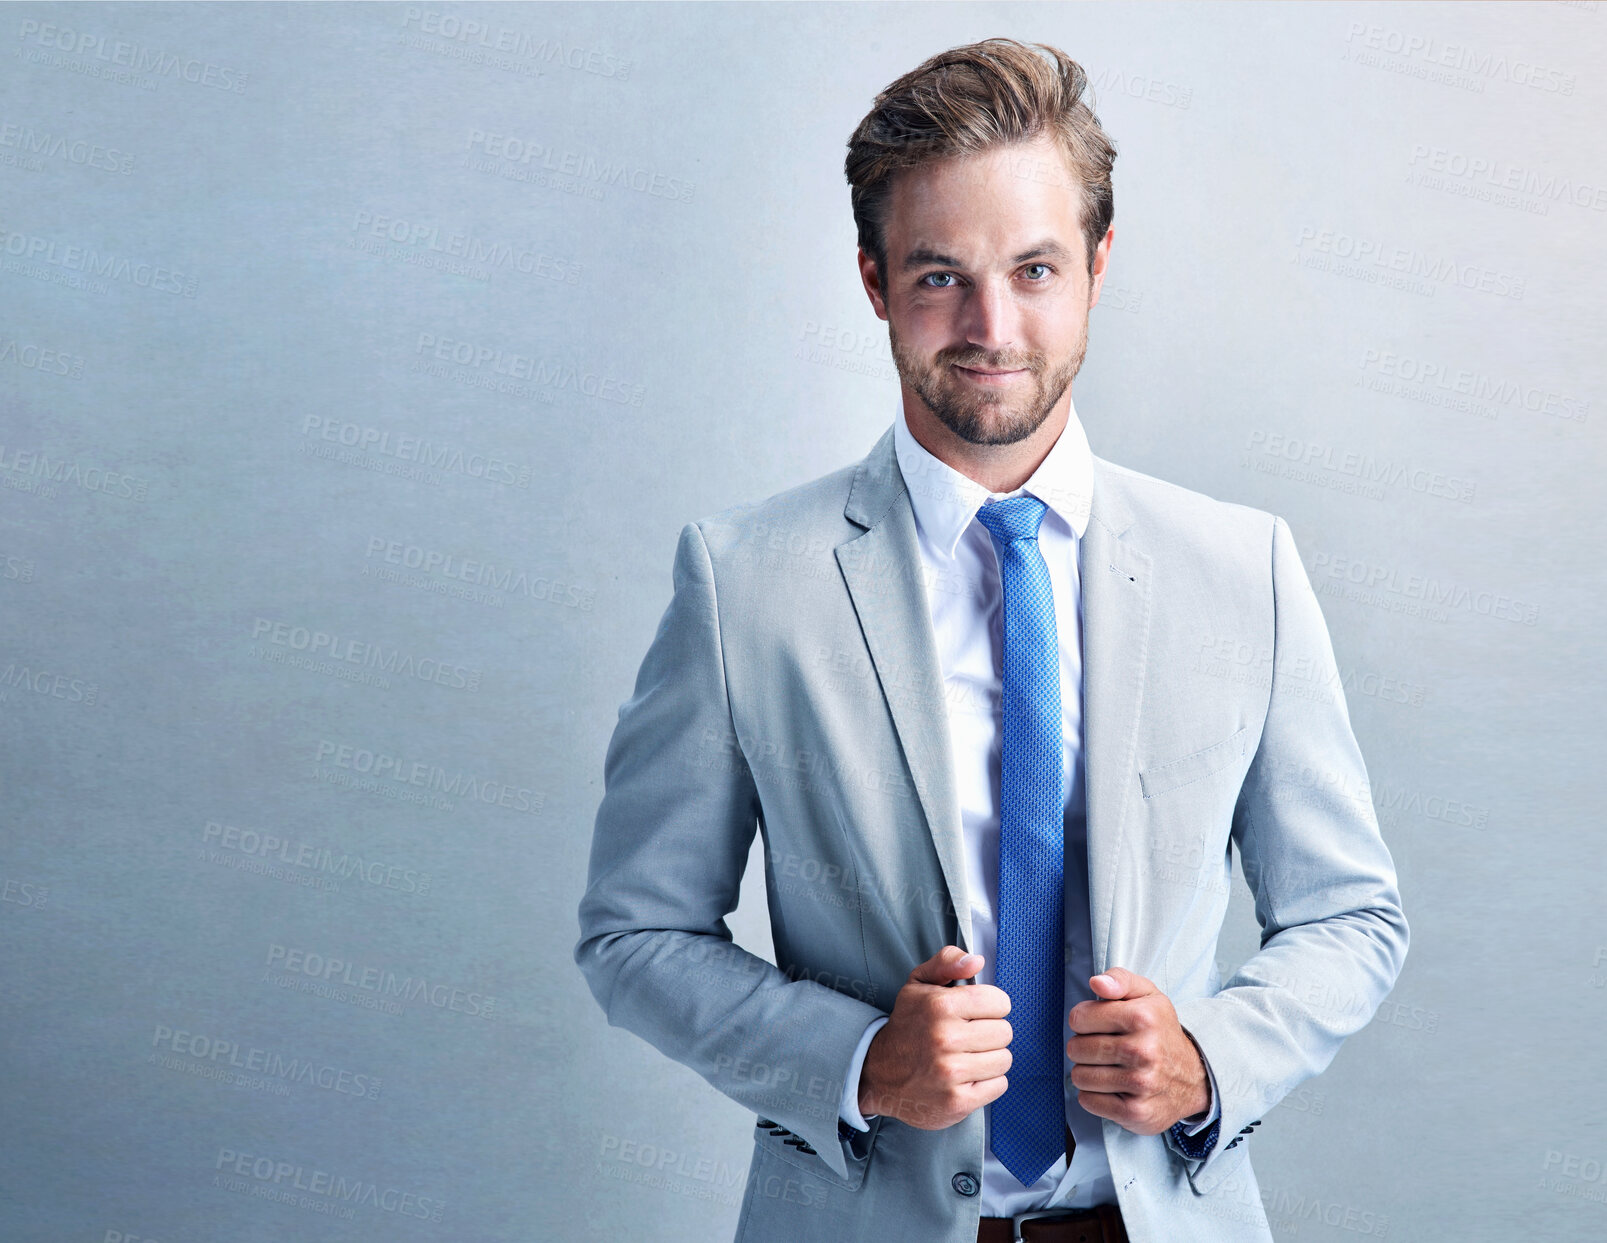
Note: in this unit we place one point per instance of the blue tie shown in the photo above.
(1028, 1123)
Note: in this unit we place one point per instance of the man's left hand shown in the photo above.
(1134, 1062)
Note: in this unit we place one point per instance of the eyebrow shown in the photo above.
(921, 256)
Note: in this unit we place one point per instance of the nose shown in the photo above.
(990, 318)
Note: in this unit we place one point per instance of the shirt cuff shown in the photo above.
(848, 1107)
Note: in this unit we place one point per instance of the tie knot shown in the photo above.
(1014, 518)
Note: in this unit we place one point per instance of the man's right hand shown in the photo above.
(943, 1052)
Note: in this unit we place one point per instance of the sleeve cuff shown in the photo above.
(1196, 1147)
(1198, 1122)
(1196, 1136)
(848, 1107)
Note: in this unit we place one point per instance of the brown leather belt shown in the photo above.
(1100, 1224)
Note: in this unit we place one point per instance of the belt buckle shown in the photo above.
(1052, 1213)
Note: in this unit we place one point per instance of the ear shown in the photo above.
(1101, 264)
(872, 283)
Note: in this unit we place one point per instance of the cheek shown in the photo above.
(924, 330)
(924, 316)
(1059, 333)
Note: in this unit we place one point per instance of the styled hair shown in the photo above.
(968, 100)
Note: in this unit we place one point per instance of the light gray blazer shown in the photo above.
(793, 686)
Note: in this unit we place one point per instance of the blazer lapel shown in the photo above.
(883, 570)
(1116, 591)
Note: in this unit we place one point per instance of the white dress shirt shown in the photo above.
(965, 598)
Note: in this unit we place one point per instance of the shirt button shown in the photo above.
(966, 1184)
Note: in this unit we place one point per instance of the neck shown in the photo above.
(998, 468)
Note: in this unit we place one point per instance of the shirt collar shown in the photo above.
(946, 502)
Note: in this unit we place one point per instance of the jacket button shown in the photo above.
(966, 1184)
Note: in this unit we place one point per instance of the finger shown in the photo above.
(985, 1035)
(1105, 1080)
(975, 1067)
(949, 963)
(986, 1091)
(1099, 1050)
(1105, 1105)
(1118, 983)
(1114, 1017)
(980, 1001)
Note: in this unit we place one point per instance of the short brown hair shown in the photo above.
(968, 100)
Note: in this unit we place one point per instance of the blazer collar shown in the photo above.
(879, 481)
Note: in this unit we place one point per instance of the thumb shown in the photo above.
(1120, 984)
(949, 963)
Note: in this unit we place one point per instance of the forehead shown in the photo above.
(997, 199)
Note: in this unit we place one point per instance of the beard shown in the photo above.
(982, 416)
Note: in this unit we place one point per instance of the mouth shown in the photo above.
(978, 375)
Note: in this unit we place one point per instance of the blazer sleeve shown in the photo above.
(669, 846)
(1333, 935)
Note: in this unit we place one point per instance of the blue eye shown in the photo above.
(949, 276)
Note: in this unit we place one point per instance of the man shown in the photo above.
(1001, 710)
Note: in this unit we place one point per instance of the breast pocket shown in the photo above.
(1160, 778)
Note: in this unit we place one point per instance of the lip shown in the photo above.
(990, 377)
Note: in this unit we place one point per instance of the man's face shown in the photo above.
(988, 291)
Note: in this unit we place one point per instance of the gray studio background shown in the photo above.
(359, 367)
